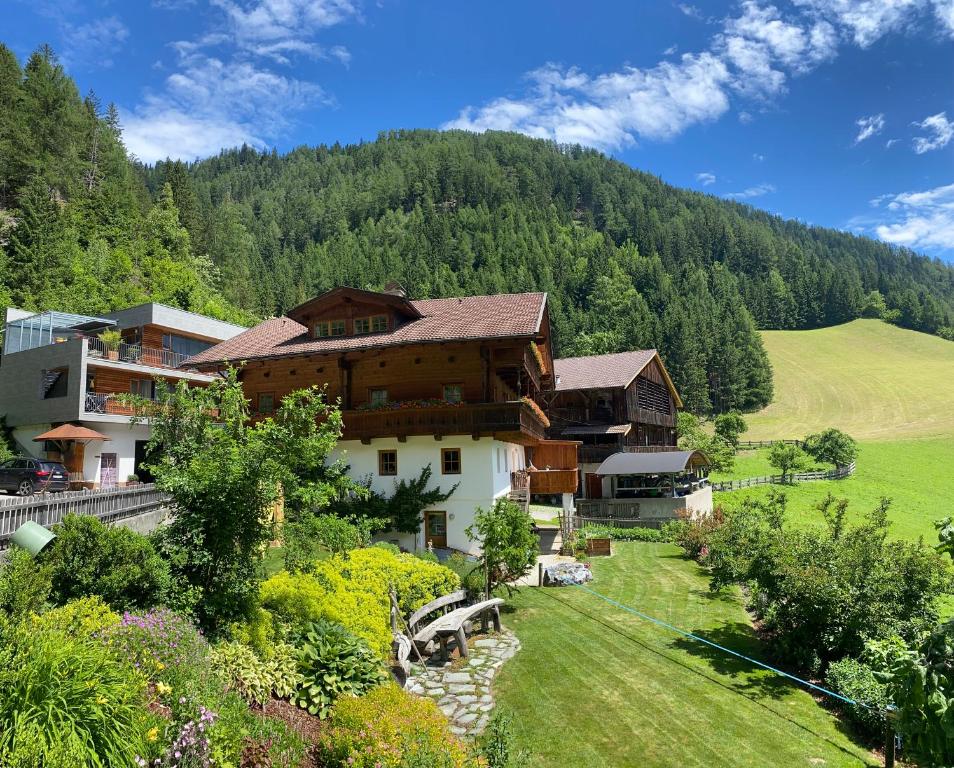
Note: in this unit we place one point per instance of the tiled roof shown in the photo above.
(600, 371)
(470, 317)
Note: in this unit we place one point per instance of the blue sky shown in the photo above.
(836, 112)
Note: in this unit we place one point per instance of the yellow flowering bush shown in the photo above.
(352, 590)
(84, 617)
(389, 728)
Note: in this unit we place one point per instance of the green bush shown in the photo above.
(427, 556)
(68, 702)
(254, 678)
(352, 590)
(470, 572)
(496, 744)
(387, 546)
(624, 534)
(85, 617)
(25, 585)
(859, 682)
(333, 663)
(389, 728)
(120, 566)
(307, 536)
(694, 535)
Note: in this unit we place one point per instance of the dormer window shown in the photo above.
(373, 324)
(327, 328)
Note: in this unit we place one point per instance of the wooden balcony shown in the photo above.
(555, 467)
(552, 481)
(514, 421)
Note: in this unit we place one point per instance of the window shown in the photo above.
(144, 388)
(377, 396)
(54, 383)
(184, 346)
(453, 393)
(327, 328)
(266, 403)
(379, 323)
(450, 461)
(387, 462)
(498, 461)
(362, 325)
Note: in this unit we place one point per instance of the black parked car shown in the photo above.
(29, 476)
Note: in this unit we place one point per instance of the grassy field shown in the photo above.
(914, 474)
(871, 379)
(598, 687)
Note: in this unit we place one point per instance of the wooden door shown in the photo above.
(435, 529)
(107, 470)
(594, 486)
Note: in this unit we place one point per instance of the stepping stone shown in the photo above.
(488, 642)
(457, 730)
(456, 677)
(462, 689)
(465, 700)
(486, 707)
(466, 719)
(449, 710)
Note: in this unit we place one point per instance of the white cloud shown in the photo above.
(672, 49)
(890, 143)
(94, 43)
(758, 157)
(227, 86)
(208, 104)
(753, 56)
(922, 219)
(869, 126)
(691, 11)
(757, 191)
(705, 178)
(941, 130)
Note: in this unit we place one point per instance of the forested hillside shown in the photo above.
(79, 230)
(628, 261)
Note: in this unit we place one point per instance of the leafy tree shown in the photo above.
(788, 459)
(509, 547)
(224, 475)
(692, 437)
(832, 446)
(945, 532)
(823, 593)
(921, 683)
(729, 427)
(305, 537)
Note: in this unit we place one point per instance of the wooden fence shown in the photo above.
(746, 444)
(108, 505)
(839, 473)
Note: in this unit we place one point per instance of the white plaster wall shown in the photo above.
(479, 481)
(122, 442)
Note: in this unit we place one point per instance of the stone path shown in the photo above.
(462, 687)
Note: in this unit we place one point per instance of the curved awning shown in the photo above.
(70, 432)
(662, 463)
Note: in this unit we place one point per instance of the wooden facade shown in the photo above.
(641, 416)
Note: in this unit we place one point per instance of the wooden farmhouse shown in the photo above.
(451, 383)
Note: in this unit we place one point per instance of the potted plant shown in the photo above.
(111, 340)
(132, 480)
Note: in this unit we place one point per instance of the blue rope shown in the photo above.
(749, 659)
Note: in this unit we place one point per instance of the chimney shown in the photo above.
(395, 289)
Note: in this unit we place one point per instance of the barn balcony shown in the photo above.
(516, 421)
(554, 467)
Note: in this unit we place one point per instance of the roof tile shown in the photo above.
(600, 371)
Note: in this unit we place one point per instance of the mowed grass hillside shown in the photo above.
(871, 379)
(596, 686)
(889, 388)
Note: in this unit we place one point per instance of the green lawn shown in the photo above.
(914, 474)
(871, 379)
(598, 687)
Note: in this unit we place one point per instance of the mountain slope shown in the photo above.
(871, 379)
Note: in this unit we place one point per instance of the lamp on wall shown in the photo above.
(33, 537)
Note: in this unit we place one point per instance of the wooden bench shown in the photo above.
(454, 619)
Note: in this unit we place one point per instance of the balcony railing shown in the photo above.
(107, 404)
(596, 454)
(135, 353)
(515, 417)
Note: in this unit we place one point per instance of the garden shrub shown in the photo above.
(306, 536)
(89, 557)
(496, 744)
(427, 556)
(624, 534)
(389, 728)
(858, 681)
(334, 663)
(299, 598)
(694, 535)
(78, 618)
(256, 679)
(470, 572)
(352, 590)
(387, 546)
(25, 585)
(509, 547)
(69, 702)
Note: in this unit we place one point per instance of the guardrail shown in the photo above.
(839, 473)
(108, 505)
(768, 443)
